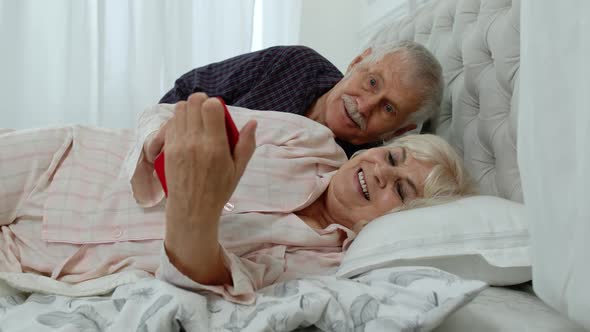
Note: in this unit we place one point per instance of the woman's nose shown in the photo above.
(385, 173)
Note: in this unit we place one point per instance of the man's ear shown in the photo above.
(400, 131)
(358, 59)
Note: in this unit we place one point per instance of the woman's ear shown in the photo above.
(358, 59)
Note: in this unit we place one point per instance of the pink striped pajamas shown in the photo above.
(29, 161)
(78, 203)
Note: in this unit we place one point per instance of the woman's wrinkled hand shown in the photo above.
(201, 172)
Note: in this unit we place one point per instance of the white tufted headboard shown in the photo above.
(478, 45)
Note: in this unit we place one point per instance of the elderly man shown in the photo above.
(387, 90)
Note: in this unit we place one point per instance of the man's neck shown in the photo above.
(317, 110)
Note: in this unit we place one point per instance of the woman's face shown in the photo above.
(373, 183)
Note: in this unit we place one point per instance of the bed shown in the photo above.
(478, 45)
(396, 283)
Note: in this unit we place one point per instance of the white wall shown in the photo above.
(331, 27)
(375, 13)
(339, 29)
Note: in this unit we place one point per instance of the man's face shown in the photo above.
(373, 99)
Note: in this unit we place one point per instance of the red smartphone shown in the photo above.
(232, 138)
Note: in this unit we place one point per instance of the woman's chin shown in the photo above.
(358, 227)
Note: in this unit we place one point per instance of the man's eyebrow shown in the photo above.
(389, 101)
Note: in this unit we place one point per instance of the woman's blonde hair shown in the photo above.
(448, 180)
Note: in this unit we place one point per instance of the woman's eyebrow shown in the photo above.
(410, 182)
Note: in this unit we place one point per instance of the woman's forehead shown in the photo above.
(394, 148)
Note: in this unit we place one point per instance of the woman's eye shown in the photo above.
(392, 160)
(373, 82)
(389, 108)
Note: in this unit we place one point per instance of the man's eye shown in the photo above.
(373, 82)
(392, 160)
(389, 109)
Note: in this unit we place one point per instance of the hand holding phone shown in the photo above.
(232, 138)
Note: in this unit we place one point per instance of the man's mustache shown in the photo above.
(353, 111)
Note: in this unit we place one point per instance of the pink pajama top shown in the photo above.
(80, 203)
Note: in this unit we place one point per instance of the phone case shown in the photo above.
(232, 138)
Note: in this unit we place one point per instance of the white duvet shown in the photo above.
(392, 299)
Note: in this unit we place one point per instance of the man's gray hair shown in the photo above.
(426, 70)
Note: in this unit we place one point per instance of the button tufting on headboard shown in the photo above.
(478, 45)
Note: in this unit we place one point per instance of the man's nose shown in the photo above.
(368, 104)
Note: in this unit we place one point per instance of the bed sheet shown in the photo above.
(499, 309)
(6, 290)
(392, 299)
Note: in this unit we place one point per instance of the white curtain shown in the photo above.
(101, 62)
(276, 23)
(554, 149)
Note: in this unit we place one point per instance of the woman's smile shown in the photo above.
(364, 187)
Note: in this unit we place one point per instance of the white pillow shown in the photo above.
(479, 237)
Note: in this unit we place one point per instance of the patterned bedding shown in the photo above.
(392, 299)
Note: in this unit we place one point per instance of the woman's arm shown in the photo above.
(139, 167)
(201, 174)
(195, 251)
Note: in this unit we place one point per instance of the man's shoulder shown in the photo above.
(283, 59)
(275, 54)
(293, 49)
(297, 54)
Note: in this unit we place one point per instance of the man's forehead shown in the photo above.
(389, 68)
(397, 72)
(392, 59)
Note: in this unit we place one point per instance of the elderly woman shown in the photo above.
(80, 203)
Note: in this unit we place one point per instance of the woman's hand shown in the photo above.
(201, 174)
(200, 170)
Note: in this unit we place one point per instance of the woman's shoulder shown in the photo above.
(284, 121)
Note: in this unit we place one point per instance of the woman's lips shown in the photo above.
(358, 184)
